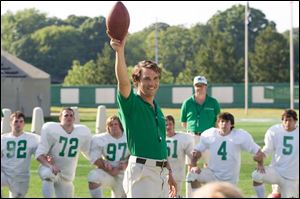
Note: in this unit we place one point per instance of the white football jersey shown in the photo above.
(109, 148)
(16, 154)
(225, 152)
(178, 146)
(284, 146)
(64, 147)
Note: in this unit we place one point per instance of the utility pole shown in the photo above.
(291, 61)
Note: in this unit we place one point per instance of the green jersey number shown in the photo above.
(222, 151)
(13, 147)
(112, 151)
(174, 151)
(73, 146)
(288, 148)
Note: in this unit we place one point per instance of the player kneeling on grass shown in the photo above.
(179, 145)
(62, 142)
(281, 140)
(225, 145)
(17, 147)
(110, 154)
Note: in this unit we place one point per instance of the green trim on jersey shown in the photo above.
(144, 127)
(199, 117)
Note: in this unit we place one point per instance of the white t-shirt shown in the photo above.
(178, 146)
(16, 154)
(284, 146)
(64, 147)
(109, 148)
(225, 152)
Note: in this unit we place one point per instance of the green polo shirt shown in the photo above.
(199, 117)
(144, 127)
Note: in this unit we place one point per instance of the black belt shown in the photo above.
(158, 163)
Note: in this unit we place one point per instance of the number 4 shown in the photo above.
(222, 151)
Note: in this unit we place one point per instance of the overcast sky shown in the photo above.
(144, 13)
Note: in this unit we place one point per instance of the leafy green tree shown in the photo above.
(221, 59)
(138, 46)
(214, 49)
(188, 74)
(101, 71)
(199, 35)
(130, 72)
(175, 48)
(296, 54)
(25, 48)
(166, 76)
(15, 26)
(106, 66)
(50, 43)
(80, 75)
(270, 61)
(56, 47)
(75, 21)
(232, 21)
(94, 37)
(216, 60)
(286, 34)
(135, 48)
(160, 26)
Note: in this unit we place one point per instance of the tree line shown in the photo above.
(76, 51)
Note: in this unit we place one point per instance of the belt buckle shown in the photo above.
(165, 164)
(157, 163)
(140, 160)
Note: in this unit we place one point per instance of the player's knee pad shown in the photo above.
(257, 176)
(191, 176)
(46, 173)
(93, 176)
(4, 180)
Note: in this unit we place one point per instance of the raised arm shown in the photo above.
(121, 72)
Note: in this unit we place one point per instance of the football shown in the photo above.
(117, 21)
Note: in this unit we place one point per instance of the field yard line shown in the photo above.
(258, 120)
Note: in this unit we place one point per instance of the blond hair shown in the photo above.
(111, 119)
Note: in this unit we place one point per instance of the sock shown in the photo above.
(48, 188)
(275, 188)
(96, 193)
(260, 191)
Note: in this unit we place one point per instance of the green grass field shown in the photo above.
(257, 121)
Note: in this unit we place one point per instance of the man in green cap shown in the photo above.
(198, 113)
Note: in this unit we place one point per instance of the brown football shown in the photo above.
(117, 21)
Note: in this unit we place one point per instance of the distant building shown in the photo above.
(23, 86)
